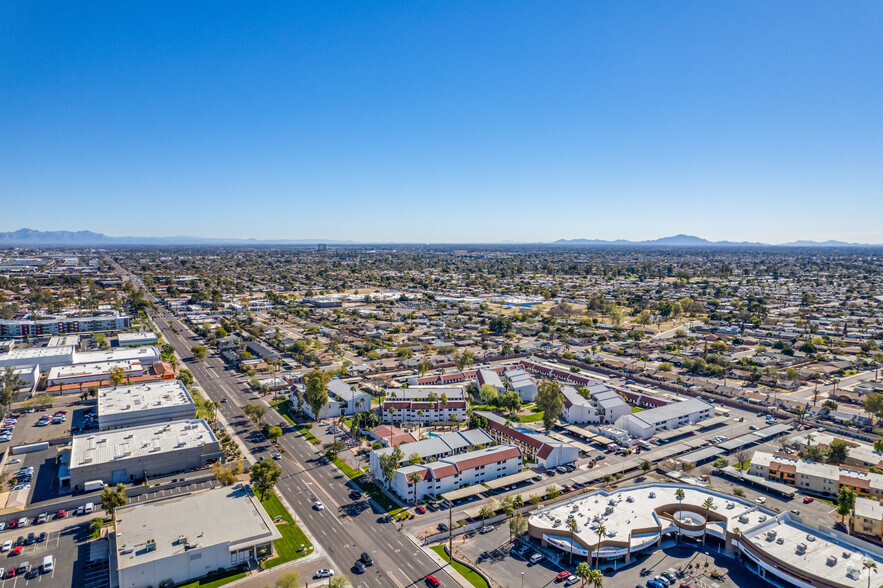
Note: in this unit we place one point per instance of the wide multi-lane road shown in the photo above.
(345, 528)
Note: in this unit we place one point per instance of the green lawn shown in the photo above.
(199, 400)
(350, 472)
(283, 407)
(532, 418)
(292, 536)
(214, 580)
(744, 465)
(637, 409)
(307, 434)
(473, 577)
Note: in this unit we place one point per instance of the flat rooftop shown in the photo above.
(88, 369)
(142, 354)
(209, 517)
(31, 352)
(145, 396)
(140, 441)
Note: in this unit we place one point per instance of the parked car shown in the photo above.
(420, 509)
(324, 573)
(432, 581)
(6, 547)
(807, 499)
(486, 529)
(562, 575)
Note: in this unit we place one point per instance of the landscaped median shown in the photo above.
(471, 575)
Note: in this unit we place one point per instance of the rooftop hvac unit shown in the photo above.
(151, 545)
(780, 540)
(831, 561)
(810, 537)
(801, 548)
(770, 535)
(846, 555)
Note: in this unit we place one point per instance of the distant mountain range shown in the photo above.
(31, 237)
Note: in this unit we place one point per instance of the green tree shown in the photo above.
(582, 571)
(601, 531)
(264, 475)
(550, 401)
(11, 382)
(707, 506)
(273, 434)
(487, 393)
(679, 496)
(572, 526)
(487, 511)
(838, 451)
(517, 527)
(339, 582)
(878, 445)
(720, 463)
(646, 466)
(317, 391)
(111, 498)
(389, 463)
(186, 377)
(198, 352)
(845, 502)
(476, 421)
(596, 579)
(254, 411)
(288, 580)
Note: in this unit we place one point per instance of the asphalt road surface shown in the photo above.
(345, 528)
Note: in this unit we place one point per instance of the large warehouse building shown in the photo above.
(143, 404)
(208, 530)
(136, 453)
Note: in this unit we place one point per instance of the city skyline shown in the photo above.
(423, 123)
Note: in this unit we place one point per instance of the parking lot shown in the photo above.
(44, 481)
(491, 553)
(62, 542)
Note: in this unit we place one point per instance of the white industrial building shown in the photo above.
(138, 338)
(645, 424)
(200, 532)
(137, 453)
(45, 357)
(343, 400)
(143, 404)
(146, 355)
(92, 372)
(64, 341)
(603, 406)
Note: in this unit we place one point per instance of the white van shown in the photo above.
(48, 564)
(88, 508)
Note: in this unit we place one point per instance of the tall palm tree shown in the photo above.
(871, 566)
(596, 578)
(679, 494)
(571, 526)
(602, 530)
(583, 571)
(415, 477)
(707, 506)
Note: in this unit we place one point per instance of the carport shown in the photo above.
(466, 492)
(712, 422)
(759, 482)
(701, 456)
(744, 441)
(513, 479)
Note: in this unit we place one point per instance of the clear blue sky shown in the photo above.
(444, 121)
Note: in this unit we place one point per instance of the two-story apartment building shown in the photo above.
(603, 406)
(343, 400)
(424, 405)
(644, 425)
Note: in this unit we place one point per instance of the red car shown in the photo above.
(10, 573)
(808, 499)
(12, 524)
(420, 509)
(433, 581)
(61, 514)
(16, 551)
(562, 576)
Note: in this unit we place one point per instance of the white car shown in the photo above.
(324, 573)
(760, 499)
(6, 546)
(14, 461)
(318, 505)
(536, 557)
(486, 529)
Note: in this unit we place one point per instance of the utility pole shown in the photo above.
(451, 536)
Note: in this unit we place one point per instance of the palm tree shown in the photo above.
(602, 530)
(572, 526)
(707, 506)
(583, 571)
(679, 494)
(871, 566)
(415, 477)
(596, 578)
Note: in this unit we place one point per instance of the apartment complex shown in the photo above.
(603, 406)
(61, 324)
(434, 448)
(456, 471)
(424, 405)
(343, 400)
(816, 478)
(645, 424)
(536, 447)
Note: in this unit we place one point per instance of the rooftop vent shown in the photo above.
(801, 548)
(780, 540)
(831, 561)
(151, 545)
